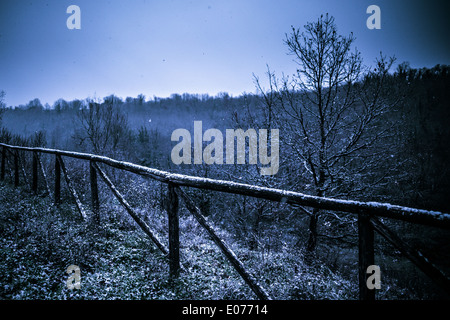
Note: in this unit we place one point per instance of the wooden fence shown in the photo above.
(367, 212)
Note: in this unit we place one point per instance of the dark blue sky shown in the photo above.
(163, 47)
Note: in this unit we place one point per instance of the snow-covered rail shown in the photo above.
(434, 218)
(368, 212)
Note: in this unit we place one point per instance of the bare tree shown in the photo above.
(329, 110)
(103, 127)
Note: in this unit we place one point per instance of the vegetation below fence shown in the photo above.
(39, 242)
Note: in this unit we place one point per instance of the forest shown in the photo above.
(346, 131)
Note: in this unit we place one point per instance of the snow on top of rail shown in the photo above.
(330, 203)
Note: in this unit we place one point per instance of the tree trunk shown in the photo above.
(174, 232)
(255, 229)
(312, 240)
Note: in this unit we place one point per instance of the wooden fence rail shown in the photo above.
(368, 212)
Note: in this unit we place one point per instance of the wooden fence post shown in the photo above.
(16, 169)
(94, 194)
(57, 181)
(2, 174)
(34, 185)
(174, 232)
(366, 255)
